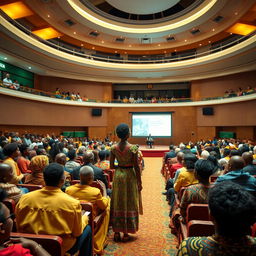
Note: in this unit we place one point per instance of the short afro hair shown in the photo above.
(53, 173)
(233, 208)
(189, 160)
(206, 167)
(122, 130)
(9, 149)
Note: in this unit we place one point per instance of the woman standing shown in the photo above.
(125, 205)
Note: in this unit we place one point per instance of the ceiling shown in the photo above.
(76, 24)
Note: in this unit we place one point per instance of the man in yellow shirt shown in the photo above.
(85, 192)
(12, 152)
(51, 211)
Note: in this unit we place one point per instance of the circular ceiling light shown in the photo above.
(143, 7)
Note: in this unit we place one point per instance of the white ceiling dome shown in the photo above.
(142, 6)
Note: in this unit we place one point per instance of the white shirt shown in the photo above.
(7, 81)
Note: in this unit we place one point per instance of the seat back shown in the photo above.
(74, 182)
(52, 244)
(86, 206)
(30, 187)
(10, 204)
(254, 230)
(213, 179)
(197, 212)
(200, 228)
(110, 172)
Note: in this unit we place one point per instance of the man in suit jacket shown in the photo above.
(98, 173)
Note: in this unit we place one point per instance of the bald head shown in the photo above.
(88, 157)
(180, 157)
(6, 174)
(248, 158)
(86, 175)
(236, 163)
(61, 158)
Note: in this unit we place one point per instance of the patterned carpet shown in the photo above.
(154, 237)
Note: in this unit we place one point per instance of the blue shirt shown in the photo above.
(240, 177)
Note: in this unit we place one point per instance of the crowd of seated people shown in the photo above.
(240, 92)
(58, 166)
(69, 95)
(205, 169)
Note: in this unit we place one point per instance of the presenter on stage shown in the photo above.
(150, 141)
(125, 200)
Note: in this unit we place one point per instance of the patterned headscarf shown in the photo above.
(38, 163)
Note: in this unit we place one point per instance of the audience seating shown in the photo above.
(197, 228)
(94, 221)
(108, 180)
(30, 187)
(213, 179)
(110, 172)
(254, 230)
(52, 244)
(10, 204)
(197, 216)
(197, 212)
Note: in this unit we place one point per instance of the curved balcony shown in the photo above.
(49, 97)
(153, 59)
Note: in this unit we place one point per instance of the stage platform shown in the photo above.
(156, 151)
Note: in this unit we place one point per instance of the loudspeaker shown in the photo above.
(96, 112)
(208, 111)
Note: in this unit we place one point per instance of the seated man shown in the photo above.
(233, 211)
(238, 175)
(249, 166)
(85, 192)
(50, 211)
(12, 152)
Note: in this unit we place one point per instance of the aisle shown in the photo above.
(154, 237)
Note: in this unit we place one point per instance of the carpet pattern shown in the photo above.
(154, 237)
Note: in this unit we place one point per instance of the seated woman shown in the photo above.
(17, 246)
(233, 210)
(85, 192)
(6, 175)
(104, 160)
(71, 165)
(37, 165)
(198, 193)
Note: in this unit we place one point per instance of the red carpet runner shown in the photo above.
(154, 237)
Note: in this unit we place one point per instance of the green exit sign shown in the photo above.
(2, 65)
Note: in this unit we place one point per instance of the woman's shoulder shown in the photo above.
(133, 148)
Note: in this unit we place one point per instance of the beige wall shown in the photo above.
(217, 86)
(91, 90)
(26, 112)
(233, 114)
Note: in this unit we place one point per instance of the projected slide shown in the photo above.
(156, 124)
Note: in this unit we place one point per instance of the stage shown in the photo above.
(155, 151)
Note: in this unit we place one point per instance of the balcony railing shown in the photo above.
(145, 101)
(131, 59)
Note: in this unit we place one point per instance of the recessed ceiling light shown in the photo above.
(213, 29)
(200, 44)
(231, 33)
(130, 45)
(5, 58)
(59, 37)
(159, 44)
(115, 51)
(82, 44)
(236, 13)
(164, 51)
(29, 67)
(74, 32)
(185, 40)
(209, 42)
(102, 42)
(48, 16)
(93, 47)
(175, 50)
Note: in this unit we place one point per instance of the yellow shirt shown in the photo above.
(88, 194)
(50, 211)
(185, 179)
(17, 175)
(254, 156)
